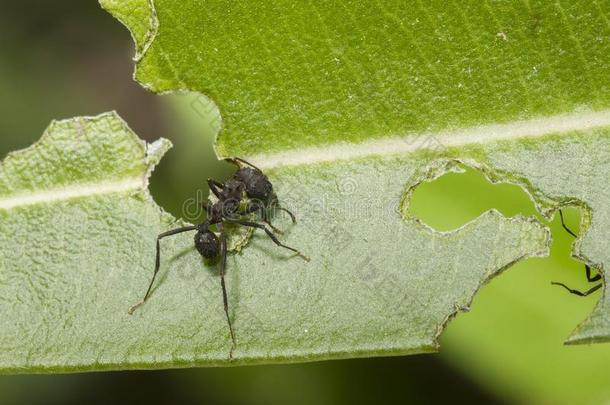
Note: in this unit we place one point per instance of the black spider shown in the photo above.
(249, 191)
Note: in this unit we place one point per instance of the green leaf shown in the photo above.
(347, 110)
(311, 86)
(287, 76)
(139, 16)
(78, 230)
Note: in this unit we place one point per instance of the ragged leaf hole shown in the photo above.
(457, 198)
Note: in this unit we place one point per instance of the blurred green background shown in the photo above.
(69, 58)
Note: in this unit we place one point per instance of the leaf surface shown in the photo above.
(347, 107)
(78, 250)
(300, 85)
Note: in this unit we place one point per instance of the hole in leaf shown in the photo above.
(518, 321)
(179, 183)
(455, 199)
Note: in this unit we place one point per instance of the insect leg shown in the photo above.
(587, 267)
(594, 278)
(563, 224)
(236, 159)
(275, 206)
(576, 292)
(223, 265)
(262, 210)
(270, 234)
(208, 207)
(215, 186)
(158, 261)
(294, 219)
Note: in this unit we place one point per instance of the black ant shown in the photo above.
(249, 184)
(587, 269)
(258, 189)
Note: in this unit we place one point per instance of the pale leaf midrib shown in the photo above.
(82, 190)
(533, 128)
